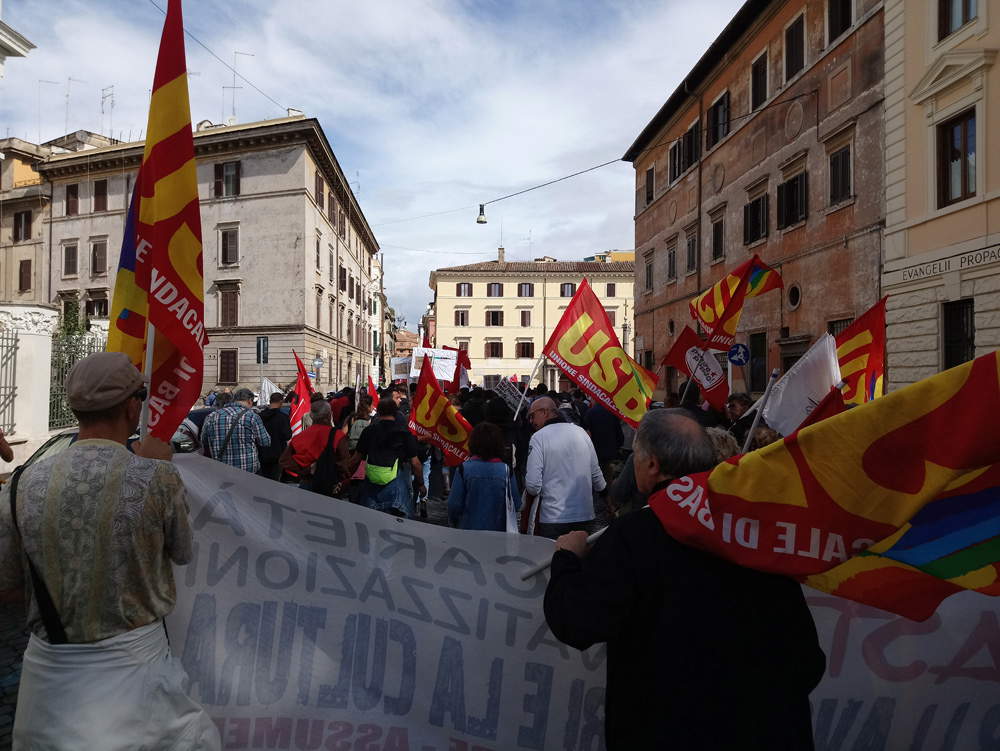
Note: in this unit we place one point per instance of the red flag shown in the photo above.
(463, 364)
(830, 405)
(300, 397)
(861, 352)
(372, 392)
(719, 307)
(167, 261)
(586, 348)
(690, 355)
(437, 420)
(426, 343)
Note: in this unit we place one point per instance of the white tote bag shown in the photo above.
(512, 526)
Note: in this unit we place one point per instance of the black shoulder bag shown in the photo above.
(47, 609)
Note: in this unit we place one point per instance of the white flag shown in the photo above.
(803, 386)
(267, 388)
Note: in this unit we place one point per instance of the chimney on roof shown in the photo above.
(500, 254)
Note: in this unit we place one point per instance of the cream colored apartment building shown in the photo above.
(503, 312)
(942, 235)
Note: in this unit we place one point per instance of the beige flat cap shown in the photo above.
(101, 381)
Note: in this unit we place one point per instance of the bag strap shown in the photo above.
(236, 421)
(47, 609)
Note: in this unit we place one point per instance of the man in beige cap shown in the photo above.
(88, 536)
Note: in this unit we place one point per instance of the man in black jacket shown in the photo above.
(277, 425)
(702, 654)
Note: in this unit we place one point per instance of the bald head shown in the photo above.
(670, 444)
(541, 411)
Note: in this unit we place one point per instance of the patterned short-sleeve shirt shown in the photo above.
(102, 526)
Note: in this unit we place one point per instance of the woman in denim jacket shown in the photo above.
(478, 498)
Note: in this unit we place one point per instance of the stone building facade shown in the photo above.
(772, 145)
(503, 312)
(24, 203)
(288, 254)
(942, 234)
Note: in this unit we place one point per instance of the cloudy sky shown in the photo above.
(431, 105)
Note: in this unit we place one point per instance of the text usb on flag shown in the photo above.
(719, 307)
(436, 419)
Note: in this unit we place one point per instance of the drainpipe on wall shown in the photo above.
(48, 293)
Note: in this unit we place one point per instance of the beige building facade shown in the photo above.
(24, 203)
(942, 234)
(288, 255)
(503, 312)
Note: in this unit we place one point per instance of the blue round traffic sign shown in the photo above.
(739, 354)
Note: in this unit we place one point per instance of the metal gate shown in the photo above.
(8, 383)
(67, 351)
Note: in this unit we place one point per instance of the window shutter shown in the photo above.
(766, 215)
(746, 224)
(239, 171)
(217, 190)
(782, 205)
(24, 275)
(804, 196)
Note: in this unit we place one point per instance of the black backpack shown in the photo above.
(327, 475)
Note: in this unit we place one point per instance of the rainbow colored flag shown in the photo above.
(719, 307)
(160, 277)
(895, 504)
(861, 352)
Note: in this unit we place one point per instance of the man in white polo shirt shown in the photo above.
(562, 473)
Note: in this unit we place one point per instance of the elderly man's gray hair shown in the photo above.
(320, 410)
(679, 444)
(243, 395)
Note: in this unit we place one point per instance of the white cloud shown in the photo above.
(436, 103)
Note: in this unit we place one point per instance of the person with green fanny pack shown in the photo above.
(390, 454)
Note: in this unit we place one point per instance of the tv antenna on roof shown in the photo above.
(234, 87)
(69, 80)
(108, 106)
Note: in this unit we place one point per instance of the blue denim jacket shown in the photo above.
(478, 499)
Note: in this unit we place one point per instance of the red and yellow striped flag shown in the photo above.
(160, 274)
(719, 307)
(861, 352)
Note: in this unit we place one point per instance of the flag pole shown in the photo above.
(760, 408)
(147, 372)
(540, 567)
(527, 386)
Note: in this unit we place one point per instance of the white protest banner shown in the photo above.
(508, 392)
(803, 386)
(310, 623)
(443, 361)
(399, 367)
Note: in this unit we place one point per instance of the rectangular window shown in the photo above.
(755, 219)
(675, 161)
(610, 291)
(957, 158)
(494, 318)
(461, 318)
(953, 15)
(69, 260)
(793, 200)
(319, 310)
(494, 349)
(494, 289)
(718, 238)
(72, 199)
(650, 177)
(331, 326)
(333, 263)
(718, 121)
(648, 286)
(758, 362)
(227, 365)
(97, 308)
(692, 250)
(525, 289)
(99, 258)
(319, 252)
(463, 346)
(229, 307)
(838, 18)
(840, 175)
(463, 289)
(567, 289)
(100, 195)
(612, 316)
(672, 262)
(758, 82)
(350, 288)
(525, 318)
(320, 189)
(836, 328)
(227, 179)
(24, 276)
(795, 47)
(343, 279)
(22, 226)
(959, 332)
(524, 350)
(230, 240)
